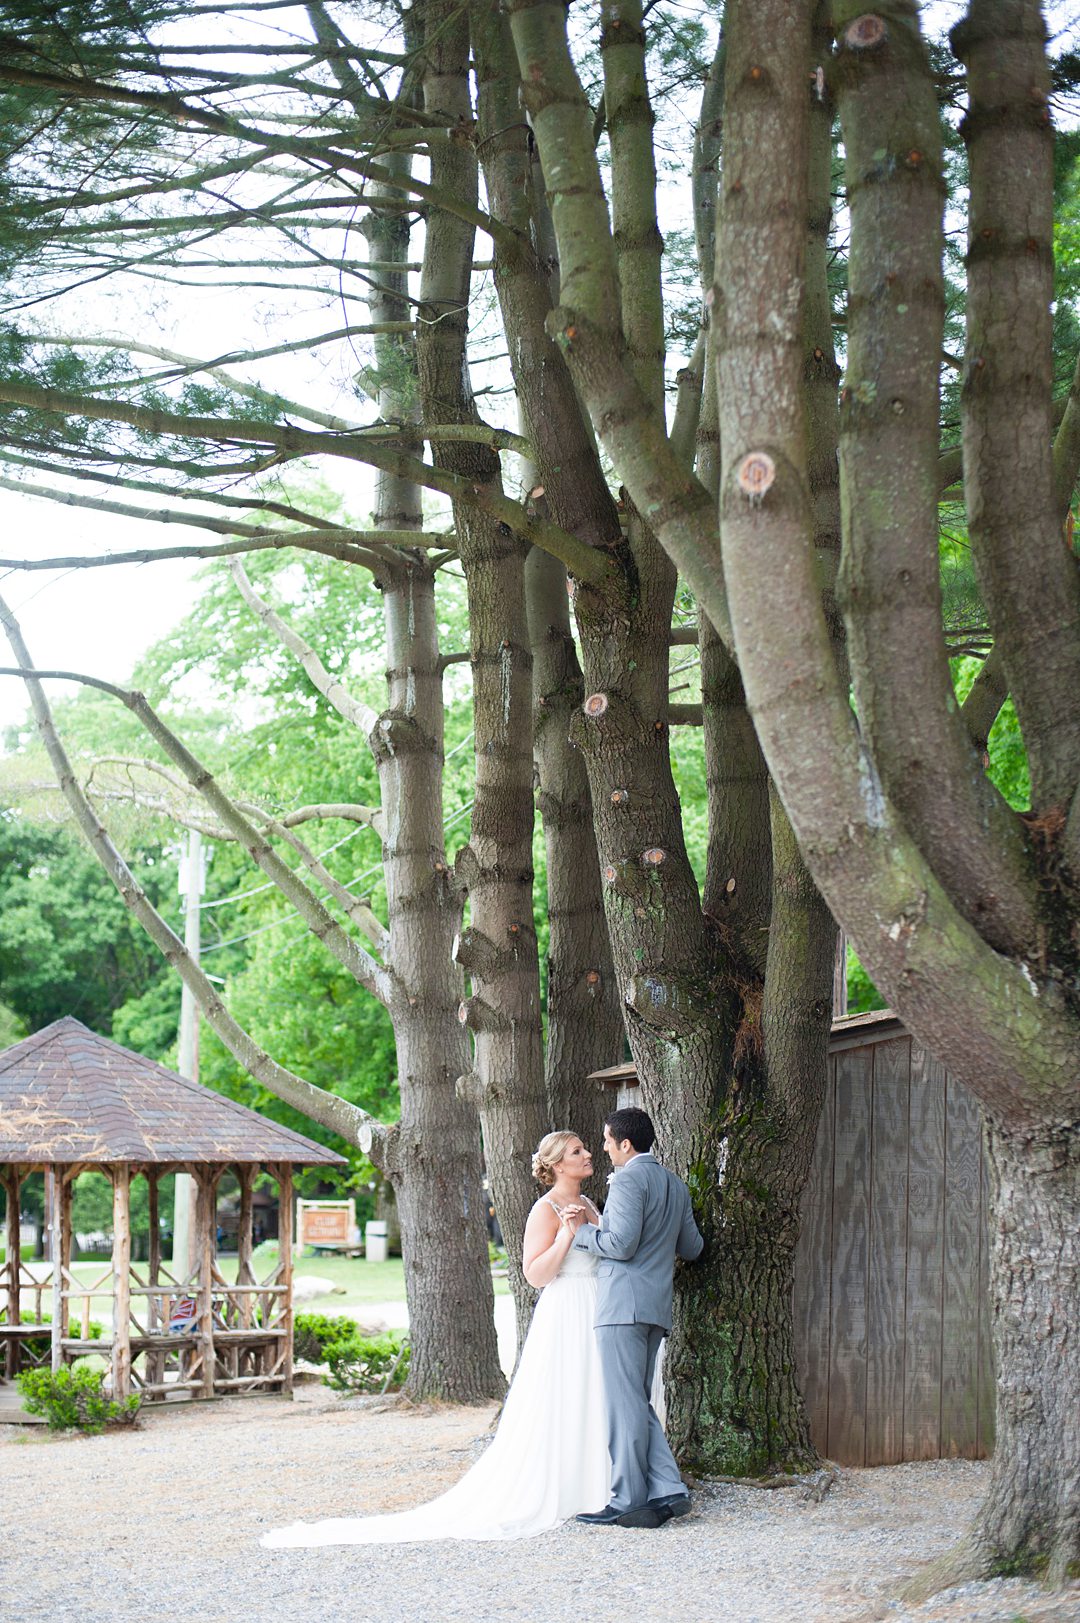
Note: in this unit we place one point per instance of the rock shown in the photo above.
(307, 1286)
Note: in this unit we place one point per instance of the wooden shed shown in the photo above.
(70, 1101)
(891, 1301)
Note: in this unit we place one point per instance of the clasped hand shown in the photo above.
(572, 1217)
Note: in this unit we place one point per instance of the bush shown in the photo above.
(73, 1398)
(368, 1363)
(314, 1332)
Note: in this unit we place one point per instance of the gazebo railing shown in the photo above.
(171, 1329)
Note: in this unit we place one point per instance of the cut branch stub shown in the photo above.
(480, 1016)
(627, 877)
(665, 1005)
(475, 952)
(466, 867)
(620, 797)
(755, 473)
(595, 705)
(593, 980)
(470, 1089)
(654, 856)
(865, 33)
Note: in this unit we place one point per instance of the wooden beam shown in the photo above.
(67, 1186)
(245, 1274)
(155, 1361)
(54, 1183)
(12, 1184)
(206, 1187)
(121, 1261)
(285, 1266)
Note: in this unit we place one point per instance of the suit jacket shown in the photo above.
(648, 1221)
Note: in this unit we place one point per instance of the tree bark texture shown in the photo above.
(1029, 580)
(432, 1155)
(499, 949)
(584, 1010)
(1031, 1515)
(585, 1028)
(692, 983)
(890, 569)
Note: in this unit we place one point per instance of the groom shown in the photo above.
(647, 1223)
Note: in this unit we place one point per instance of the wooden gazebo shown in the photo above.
(71, 1101)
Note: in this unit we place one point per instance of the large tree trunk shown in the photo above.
(1031, 1515)
(692, 982)
(499, 949)
(432, 1156)
(1030, 1519)
(585, 1025)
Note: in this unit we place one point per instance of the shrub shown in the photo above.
(368, 1363)
(73, 1397)
(313, 1333)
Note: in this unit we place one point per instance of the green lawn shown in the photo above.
(362, 1283)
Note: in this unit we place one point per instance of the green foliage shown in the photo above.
(314, 1332)
(73, 1398)
(368, 1363)
(12, 1027)
(68, 945)
(863, 995)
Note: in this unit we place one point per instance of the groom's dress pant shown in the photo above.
(642, 1465)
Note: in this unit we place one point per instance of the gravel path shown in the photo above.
(164, 1521)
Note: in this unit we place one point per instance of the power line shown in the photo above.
(293, 913)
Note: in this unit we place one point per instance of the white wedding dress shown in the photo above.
(548, 1459)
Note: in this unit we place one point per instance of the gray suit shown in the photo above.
(648, 1221)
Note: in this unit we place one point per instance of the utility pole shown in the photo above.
(192, 884)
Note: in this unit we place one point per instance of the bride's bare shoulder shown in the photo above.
(542, 1217)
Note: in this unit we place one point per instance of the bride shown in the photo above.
(549, 1457)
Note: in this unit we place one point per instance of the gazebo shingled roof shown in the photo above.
(71, 1096)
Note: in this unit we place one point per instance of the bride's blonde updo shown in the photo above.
(549, 1152)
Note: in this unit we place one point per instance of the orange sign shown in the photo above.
(328, 1226)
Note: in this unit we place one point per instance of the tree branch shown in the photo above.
(1029, 581)
(890, 584)
(359, 715)
(1015, 1049)
(587, 563)
(369, 974)
(354, 1125)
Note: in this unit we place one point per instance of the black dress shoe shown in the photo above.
(612, 1516)
(671, 1505)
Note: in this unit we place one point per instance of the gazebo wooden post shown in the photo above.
(204, 1259)
(59, 1200)
(155, 1361)
(121, 1261)
(67, 1190)
(12, 1184)
(285, 1266)
(245, 1273)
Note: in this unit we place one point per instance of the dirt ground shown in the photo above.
(165, 1519)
